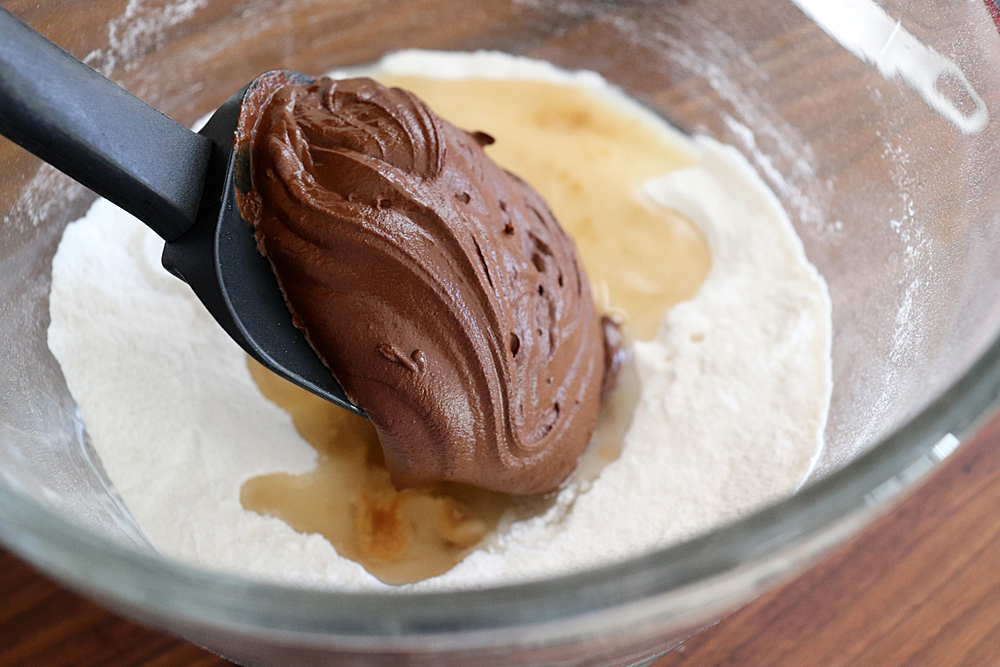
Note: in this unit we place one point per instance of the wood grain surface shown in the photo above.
(920, 587)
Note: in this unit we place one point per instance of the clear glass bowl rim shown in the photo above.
(128, 578)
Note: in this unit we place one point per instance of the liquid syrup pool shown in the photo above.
(588, 157)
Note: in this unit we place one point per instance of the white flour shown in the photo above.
(734, 396)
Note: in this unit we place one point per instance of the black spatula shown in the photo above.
(179, 183)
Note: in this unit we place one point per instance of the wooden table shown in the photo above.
(921, 587)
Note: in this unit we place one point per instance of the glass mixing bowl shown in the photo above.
(875, 132)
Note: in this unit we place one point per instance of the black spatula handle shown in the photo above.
(97, 132)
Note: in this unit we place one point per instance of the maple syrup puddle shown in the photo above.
(588, 159)
(398, 536)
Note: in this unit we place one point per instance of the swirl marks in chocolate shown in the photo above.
(438, 288)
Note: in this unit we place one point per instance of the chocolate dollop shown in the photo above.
(438, 288)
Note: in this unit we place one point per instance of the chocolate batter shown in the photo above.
(438, 288)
